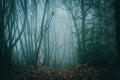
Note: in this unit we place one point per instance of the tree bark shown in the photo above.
(117, 16)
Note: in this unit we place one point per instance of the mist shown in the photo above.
(59, 35)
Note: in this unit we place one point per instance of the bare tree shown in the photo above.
(78, 10)
(35, 31)
(10, 33)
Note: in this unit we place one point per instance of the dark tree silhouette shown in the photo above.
(117, 16)
(9, 31)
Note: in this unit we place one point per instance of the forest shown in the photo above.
(59, 39)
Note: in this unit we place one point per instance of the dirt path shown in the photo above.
(76, 73)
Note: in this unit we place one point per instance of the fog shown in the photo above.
(58, 41)
(59, 33)
(55, 32)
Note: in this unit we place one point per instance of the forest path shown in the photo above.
(79, 72)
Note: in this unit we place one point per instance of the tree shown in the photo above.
(35, 31)
(117, 17)
(91, 19)
(9, 31)
(78, 10)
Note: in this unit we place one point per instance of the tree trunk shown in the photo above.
(117, 16)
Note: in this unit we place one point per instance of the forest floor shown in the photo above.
(79, 72)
